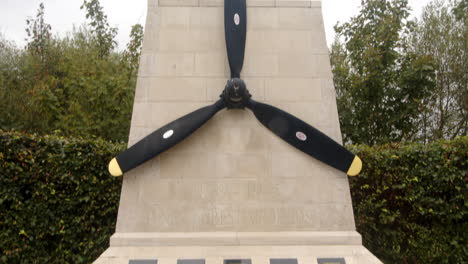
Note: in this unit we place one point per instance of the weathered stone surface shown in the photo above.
(234, 174)
(233, 188)
(233, 159)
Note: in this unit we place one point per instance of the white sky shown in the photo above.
(64, 14)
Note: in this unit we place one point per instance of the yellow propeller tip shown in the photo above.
(114, 168)
(355, 167)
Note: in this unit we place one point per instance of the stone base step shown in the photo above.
(330, 254)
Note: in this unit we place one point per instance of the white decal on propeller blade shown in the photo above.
(168, 134)
(236, 19)
(301, 136)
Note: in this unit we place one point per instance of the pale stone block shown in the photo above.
(179, 2)
(204, 18)
(297, 40)
(141, 112)
(141, 92)
(214, 88)
(233, 139)
(260, 260)
(342, 215)
(293, 3)
(261, 3)
(152, 16)
(296, 165)
(303, 190)
(150, 41)
(191, 40)
(211, 2)
(256, 87)
(273, 41)
(175, 17)
(245, 166)
(256, 43)
(323, 66)
(299, 217)
(218, 217)
(167, 64)
(293, 89)
(316, 3)
(340, 189)
(262, 18)
(256, 218)
(298, 64)
(260, 65)
(328, 89)
(268, 244)
(174, 40)
(186, 165)
(208, 190)
(319, 43)
(175, 89)
(300, 18)
(211, 64)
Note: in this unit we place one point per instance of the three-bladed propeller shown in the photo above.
(236, 96)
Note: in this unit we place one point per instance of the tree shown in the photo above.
(103, 33)
(460, 9)
(10, 70)
(133, 51)
(73, 86)
(442, 34)
(39, 33)
(39, 68)
(381, 85)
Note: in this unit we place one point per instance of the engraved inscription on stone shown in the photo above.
(283, 261)
(190, 261)
(216, 215)
(143, 261)
(331, 261)
(237, 261)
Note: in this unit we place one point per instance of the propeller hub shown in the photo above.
(235, 94)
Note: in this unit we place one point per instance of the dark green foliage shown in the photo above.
(103, 34)
(381, 86)
(58, 204)
(78, 85)
(410, 201)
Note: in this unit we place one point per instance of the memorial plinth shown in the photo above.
(233, 190)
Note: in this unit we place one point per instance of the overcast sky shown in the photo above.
(64, 14)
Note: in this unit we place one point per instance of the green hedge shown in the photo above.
(59, 205)
(410, 202)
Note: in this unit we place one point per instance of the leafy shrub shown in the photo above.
(410, 201)
(58, 204)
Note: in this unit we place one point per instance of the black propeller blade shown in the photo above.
(306, 138)
(236, 96)
(235, 27)
(162, 139)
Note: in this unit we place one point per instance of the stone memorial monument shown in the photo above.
(233, 192)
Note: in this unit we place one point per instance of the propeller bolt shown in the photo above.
(235, 94)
